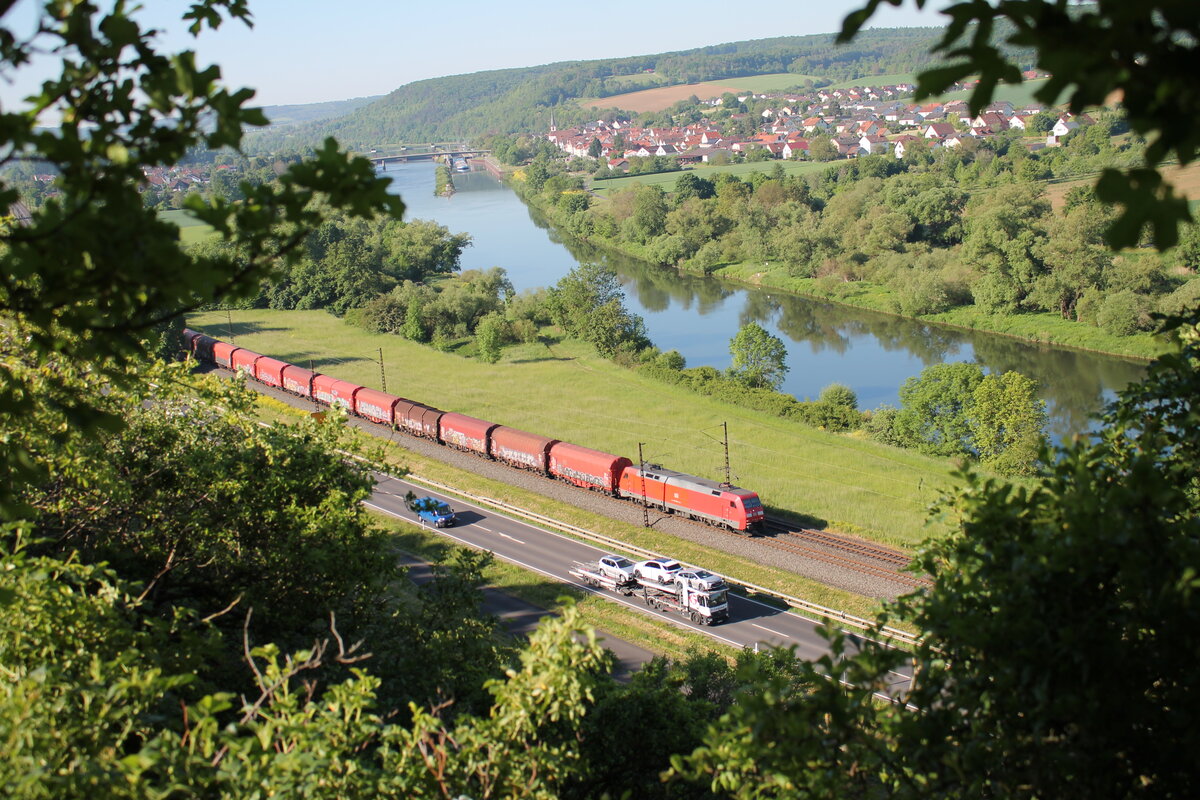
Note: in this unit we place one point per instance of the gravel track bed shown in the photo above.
(734, 544)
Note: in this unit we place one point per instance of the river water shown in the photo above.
(871, 353)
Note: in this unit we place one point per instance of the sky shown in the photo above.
(304, 51)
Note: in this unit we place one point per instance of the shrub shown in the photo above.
(839, 395)
(1124, 314)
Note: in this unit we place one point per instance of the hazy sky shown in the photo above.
(302, 51)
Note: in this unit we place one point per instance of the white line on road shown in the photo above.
(485, 530)
(512, 538)
(768, 630)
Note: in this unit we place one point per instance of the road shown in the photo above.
(751, 624)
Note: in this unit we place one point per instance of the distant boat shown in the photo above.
(461, 165)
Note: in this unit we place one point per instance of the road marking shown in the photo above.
(512, 538)
(768, 630)
(485, 530)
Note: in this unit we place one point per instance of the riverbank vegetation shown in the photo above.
(443, 181)
(962, 235)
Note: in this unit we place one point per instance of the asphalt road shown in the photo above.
(520, 617)
(751, 623)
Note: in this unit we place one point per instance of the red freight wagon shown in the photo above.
(298, 380)
(203, 346)
(375, 406)
(521, 449)
(222, 352)
(465, 433)
(696, 498)
(243, 361)
(588, 468)
(343, 394)
(189, 340)
(322, 388)
(417, 419)
(269, 371)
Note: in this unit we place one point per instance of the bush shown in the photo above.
(839, 395)
(922, 293)
(881, 425)
(1124, 314)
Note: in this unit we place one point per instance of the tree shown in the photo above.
(758, 357)
(1008, 423)
(595, 149)
(95, 271)
(839, 394)
(820, 148)
(588, 303)
(690, 185)
(489, 336)
(936, 408)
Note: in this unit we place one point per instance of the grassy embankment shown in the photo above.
(562, 390)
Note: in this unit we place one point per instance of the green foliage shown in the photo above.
(1089, 52)
(936, 409)
(489, 336)
(955, 410)
(1007, 423)
(1059, 639)
(759, 359)
(450, 308)
(839, 394)
(1124, 313)
(588, 303)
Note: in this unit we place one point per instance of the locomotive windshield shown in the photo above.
(752, 502)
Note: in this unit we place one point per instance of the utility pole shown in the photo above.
(725, 428)
(382, 376)
(645, 504)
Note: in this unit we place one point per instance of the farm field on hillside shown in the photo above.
(564, 391)
(667, 179)
(660, 97)
(773, 82)
(1186, 181)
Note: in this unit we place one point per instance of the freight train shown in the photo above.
(674, 492)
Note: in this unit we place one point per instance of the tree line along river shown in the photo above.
(871, 353)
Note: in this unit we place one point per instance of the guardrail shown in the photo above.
(816, 609)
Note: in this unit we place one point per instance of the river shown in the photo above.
(871, 353)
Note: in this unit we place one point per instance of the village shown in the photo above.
(855, 121)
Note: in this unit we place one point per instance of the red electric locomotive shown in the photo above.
(695, 498)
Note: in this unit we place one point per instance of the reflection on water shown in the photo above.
(869, 352)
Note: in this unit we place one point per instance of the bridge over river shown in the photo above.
(425, 153)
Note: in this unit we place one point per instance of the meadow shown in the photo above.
(667, 179)
(561, 389)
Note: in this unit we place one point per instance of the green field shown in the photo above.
(191, 230)
(667, 179)
(564, 391)
(875, 80)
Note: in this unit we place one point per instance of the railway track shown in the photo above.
(791, 546)
(858, 547)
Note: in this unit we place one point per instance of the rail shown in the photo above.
(816, 609)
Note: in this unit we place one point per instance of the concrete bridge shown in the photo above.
(425, 153)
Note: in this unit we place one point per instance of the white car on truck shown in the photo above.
(657, 570)
(616, 567)
(699, 579)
